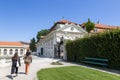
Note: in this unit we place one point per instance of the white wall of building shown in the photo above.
(9, 51)
(67, 31)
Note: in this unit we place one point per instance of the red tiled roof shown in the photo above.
(102, 26)
(10, 43)
(61, 22)
(105, 26)
(66, 21)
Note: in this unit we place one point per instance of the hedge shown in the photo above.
(102, 45)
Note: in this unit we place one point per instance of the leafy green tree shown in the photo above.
(89, 26)
(33, 45)
(42, 33)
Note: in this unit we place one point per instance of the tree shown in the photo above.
(42, 33)
(33, 45)
(89, 26)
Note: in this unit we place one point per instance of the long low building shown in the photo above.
(9, 48)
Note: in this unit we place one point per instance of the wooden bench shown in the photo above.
(96, 61)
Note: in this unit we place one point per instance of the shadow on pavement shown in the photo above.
(21, 72)
(10, 77)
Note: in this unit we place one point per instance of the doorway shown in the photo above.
(41, 51)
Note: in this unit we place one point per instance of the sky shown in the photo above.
(20, 20)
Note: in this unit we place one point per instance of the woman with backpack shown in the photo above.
(27, 61)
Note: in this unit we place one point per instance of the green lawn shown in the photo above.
(74, 73)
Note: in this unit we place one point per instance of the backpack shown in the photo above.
(27, 59)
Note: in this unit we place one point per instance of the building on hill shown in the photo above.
(101, 27)
(53, 44)
(9, 48)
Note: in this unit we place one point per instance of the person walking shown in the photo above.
(27, 61)
(15, 64)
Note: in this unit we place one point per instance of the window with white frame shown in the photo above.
(95, 29)
(16, 50)
(21, 51)
(5, 52)
(10, 51)
(0, 52)
(72, 28)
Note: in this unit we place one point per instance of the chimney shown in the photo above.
(98, 22)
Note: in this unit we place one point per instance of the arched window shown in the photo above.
(0, 52)
(16, 50)
(5, 52)
(21, 51)
(10, 51)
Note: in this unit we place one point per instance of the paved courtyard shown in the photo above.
(37, 64)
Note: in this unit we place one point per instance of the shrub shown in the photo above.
(102, 45)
